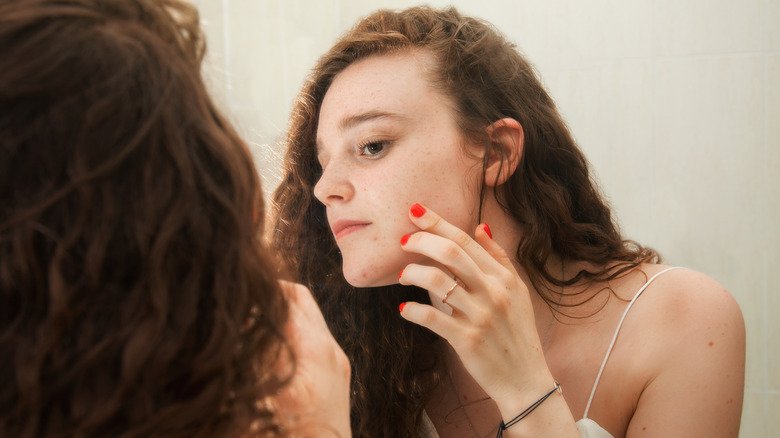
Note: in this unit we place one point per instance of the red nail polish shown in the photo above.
(417, 210)
(487, 230)
(401, 307)
(400, 273)
(405, 239)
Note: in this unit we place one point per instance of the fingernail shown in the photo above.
(405, 239)
(486, 227)
(401, 307)
(417, 210)
(400, 273)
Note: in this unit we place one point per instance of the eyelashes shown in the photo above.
(367, 149)
(373, 149)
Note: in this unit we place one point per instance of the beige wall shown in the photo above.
(672, 101)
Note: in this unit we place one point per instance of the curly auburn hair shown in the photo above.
(551, 195)
(136, 296)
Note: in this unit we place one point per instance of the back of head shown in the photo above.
(135, 295)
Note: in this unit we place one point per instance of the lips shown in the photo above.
(343, 227)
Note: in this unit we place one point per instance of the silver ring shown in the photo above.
(449, 291)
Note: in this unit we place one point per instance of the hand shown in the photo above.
(492, 327)
(316, 401)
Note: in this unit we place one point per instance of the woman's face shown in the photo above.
(387, 139)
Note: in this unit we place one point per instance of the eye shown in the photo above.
(373, 148)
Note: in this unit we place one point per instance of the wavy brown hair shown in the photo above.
(551, 195)
(136, 298)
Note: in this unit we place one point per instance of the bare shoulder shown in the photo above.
(685, 316)
(690, 303)
(694, 334)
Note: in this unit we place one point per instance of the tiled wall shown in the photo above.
(675, 102)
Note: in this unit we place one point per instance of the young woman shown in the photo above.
(424, 151)
(136, 297)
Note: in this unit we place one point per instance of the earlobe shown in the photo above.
(507, 140)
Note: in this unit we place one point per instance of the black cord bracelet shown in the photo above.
(504, 426)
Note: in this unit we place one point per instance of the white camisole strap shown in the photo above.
(614, 337)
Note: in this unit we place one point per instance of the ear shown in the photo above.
(507, 139)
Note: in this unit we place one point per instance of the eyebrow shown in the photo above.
(351, 121)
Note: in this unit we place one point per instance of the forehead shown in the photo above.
(397, 83)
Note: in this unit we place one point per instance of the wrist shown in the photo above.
(515, 401)
(541, 416)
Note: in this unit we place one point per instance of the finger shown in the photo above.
(448, 254)
(431, 222)
(439, 284)
(301, 298)
(296, 320)
(484, 237)
(306, 331)
(432, 319)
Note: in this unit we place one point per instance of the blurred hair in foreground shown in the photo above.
(136, 297)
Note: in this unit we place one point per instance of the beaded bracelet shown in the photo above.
(504, 426)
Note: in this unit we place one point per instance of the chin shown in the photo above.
(371, 280)
(364, 276)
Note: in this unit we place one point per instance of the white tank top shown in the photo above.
(587, 427)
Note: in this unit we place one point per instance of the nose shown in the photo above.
(334, 185)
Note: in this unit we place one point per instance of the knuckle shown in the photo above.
(502, 301)
(342, 361)
(435, 222)
(482, 319)
(505, 278)
(461, 238)
(450, 251)
(472, 340)
(427, 317)
(301, 289)
(347, 372)
(441, 281)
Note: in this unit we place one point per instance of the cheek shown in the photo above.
(389, 195)
(451, 193)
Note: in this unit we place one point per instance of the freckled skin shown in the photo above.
(423, 162)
